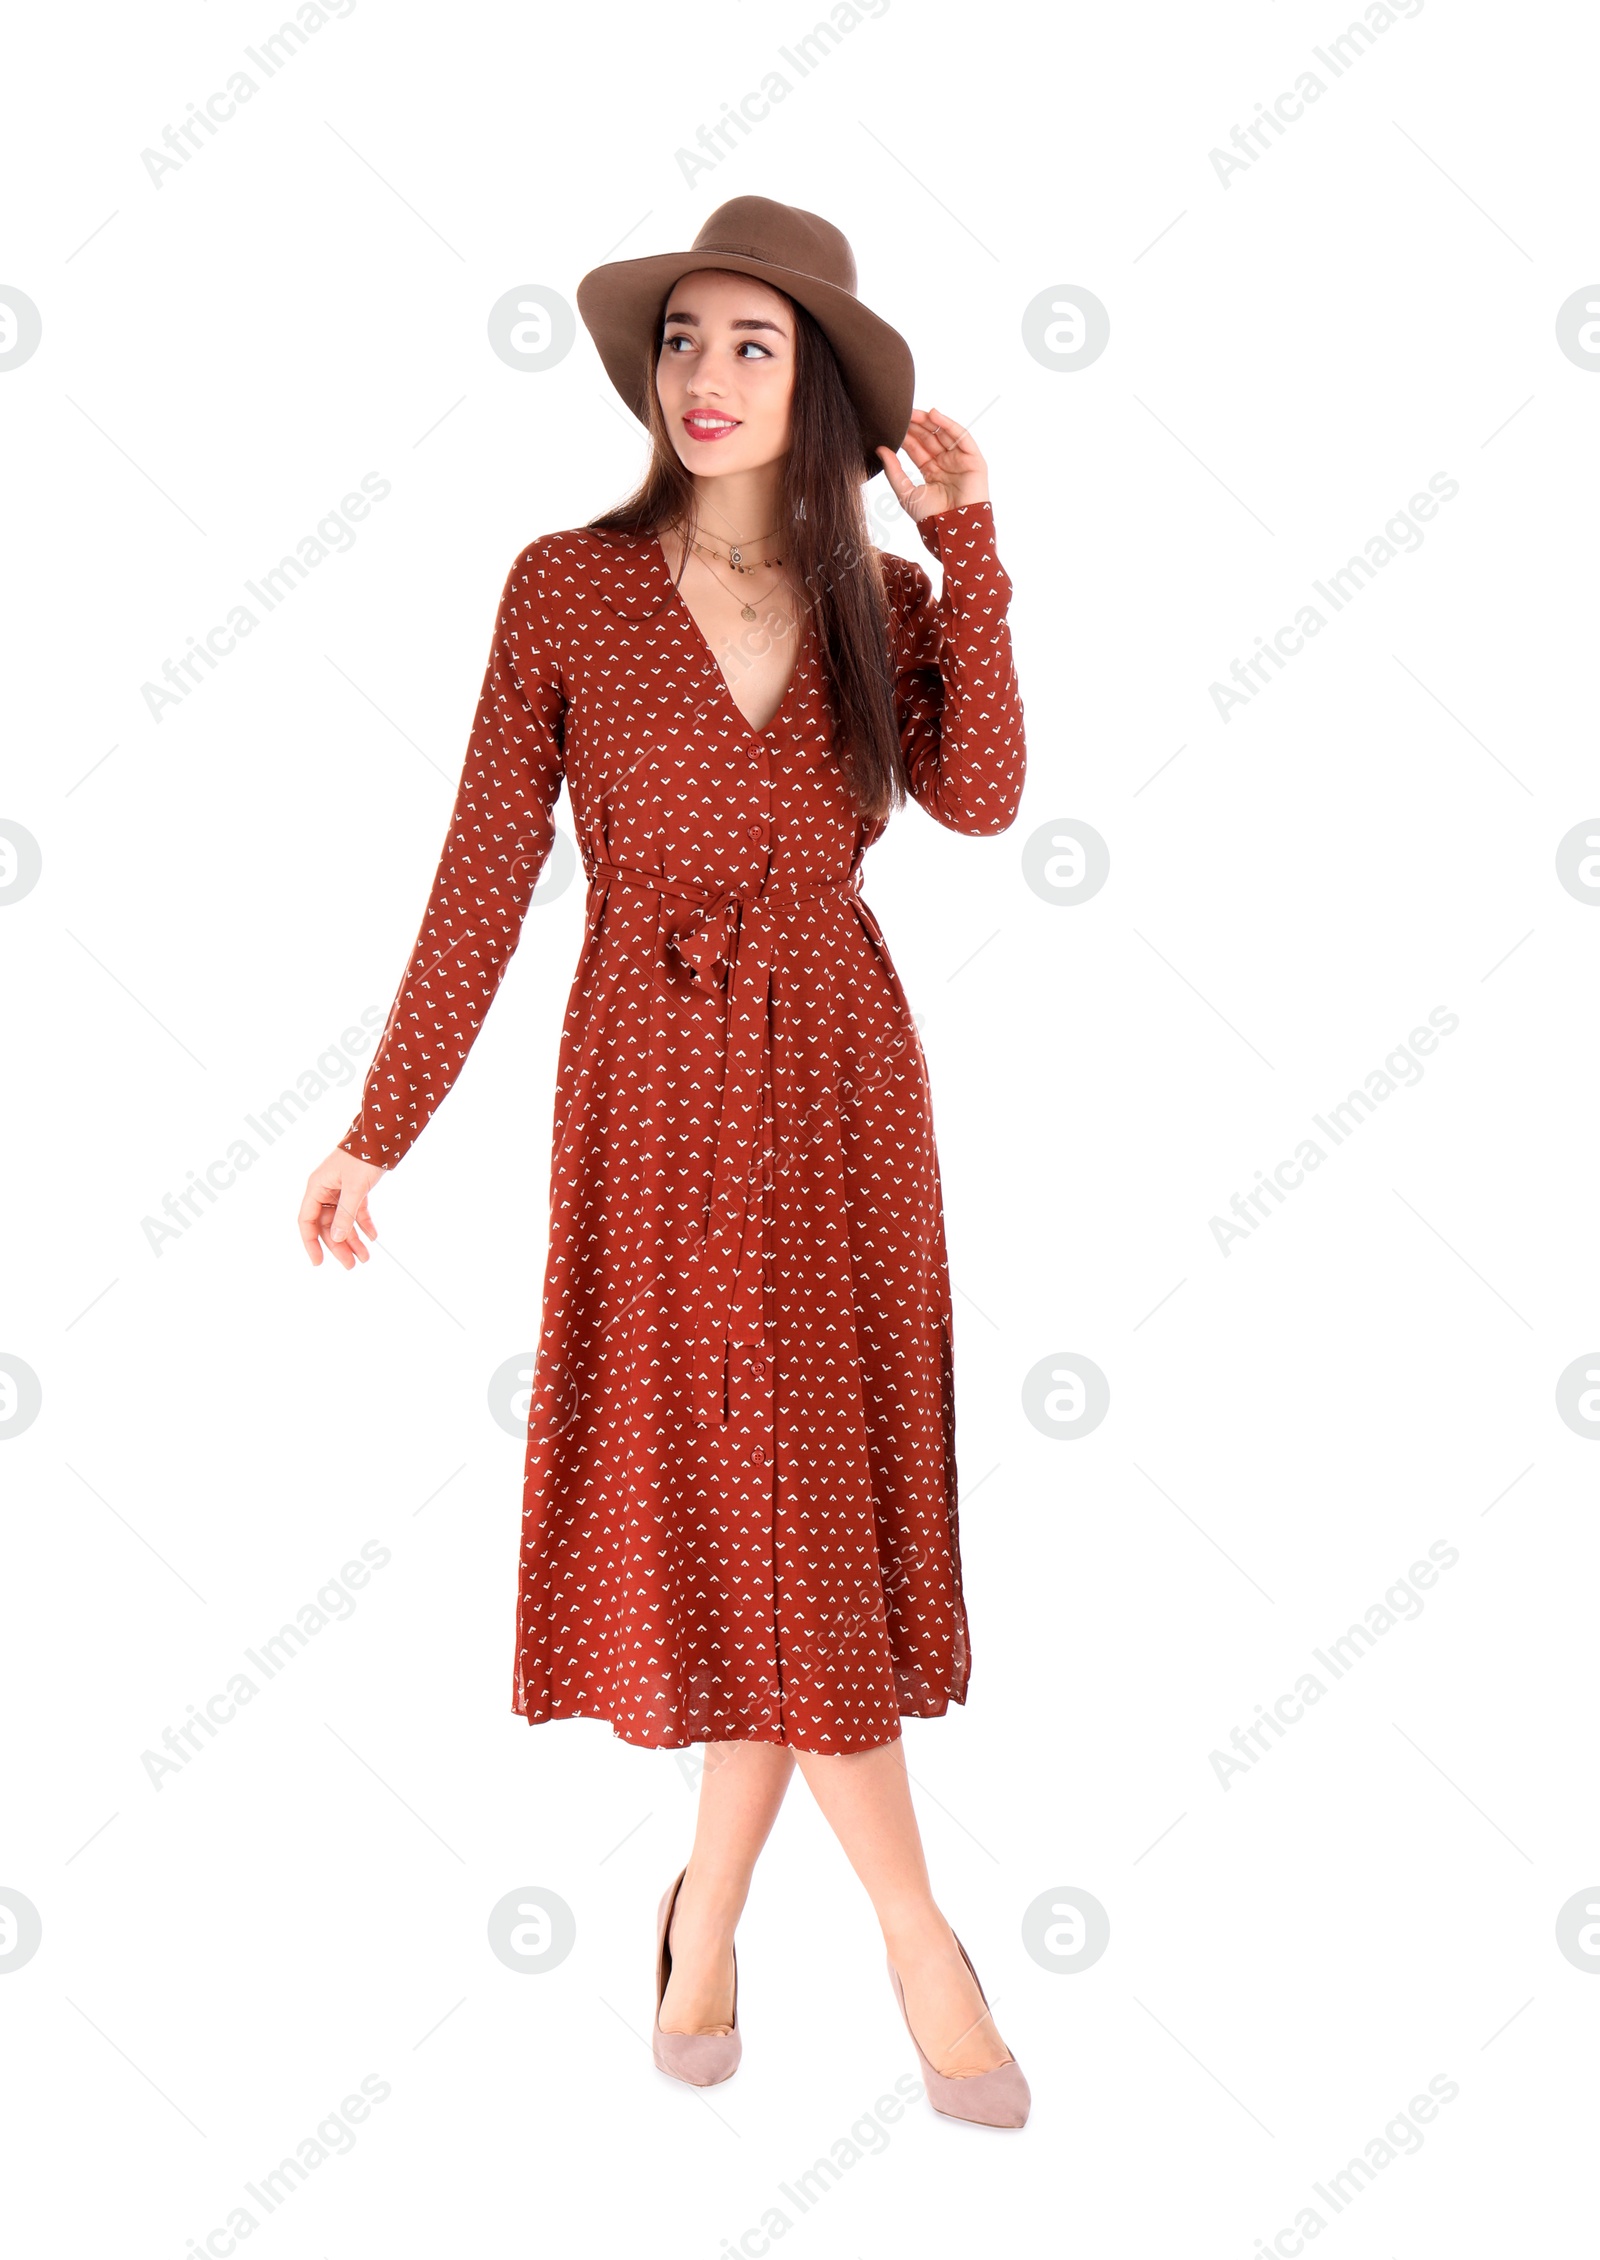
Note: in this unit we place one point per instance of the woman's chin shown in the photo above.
(714, 458)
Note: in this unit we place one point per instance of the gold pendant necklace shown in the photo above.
(745, 608)
(736, 557)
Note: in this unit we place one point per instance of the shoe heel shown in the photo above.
(700, 2059)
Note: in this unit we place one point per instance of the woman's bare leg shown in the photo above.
(866, 1801)
(741, 1789)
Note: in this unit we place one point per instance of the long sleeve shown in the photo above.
(501, 831)
(956, 694)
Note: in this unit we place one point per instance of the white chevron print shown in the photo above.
(739, 1512)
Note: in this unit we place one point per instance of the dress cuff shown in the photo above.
(943, 530)
(962, 539)
(354, 1141)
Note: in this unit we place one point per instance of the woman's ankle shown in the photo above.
(713, 1898)
(915, 1930)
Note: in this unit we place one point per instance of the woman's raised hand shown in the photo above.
(335, 1205)
(953, 470)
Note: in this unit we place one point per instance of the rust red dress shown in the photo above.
(739, 1510)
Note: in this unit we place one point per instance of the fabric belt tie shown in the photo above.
(725, 938)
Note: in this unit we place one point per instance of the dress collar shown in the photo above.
(627, 572)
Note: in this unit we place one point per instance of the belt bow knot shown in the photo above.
(725, 938)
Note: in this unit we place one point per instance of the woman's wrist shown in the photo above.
(967, 500)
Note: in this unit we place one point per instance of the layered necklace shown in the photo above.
(738, 558)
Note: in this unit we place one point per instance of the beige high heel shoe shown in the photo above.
(997, 2098)
(703, 2059)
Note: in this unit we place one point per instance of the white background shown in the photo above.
(1291, 1425)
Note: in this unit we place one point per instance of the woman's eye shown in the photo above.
(680, 337)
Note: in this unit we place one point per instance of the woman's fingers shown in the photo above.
(312, 1221)
(334, 1214)
(351, 1201)
(944, 454)
(316, 1229)
(341, 1238)
(354, 1243)
(942, 435)
(922, 457)
(894, 473)
(949, 431)
(340, 1254)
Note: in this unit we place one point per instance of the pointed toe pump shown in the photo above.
(997, 2098)
(703, 2059)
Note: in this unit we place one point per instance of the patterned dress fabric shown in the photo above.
(739, 1506)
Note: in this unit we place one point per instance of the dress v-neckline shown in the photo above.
(704, 643)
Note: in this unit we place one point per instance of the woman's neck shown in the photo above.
(741, 506)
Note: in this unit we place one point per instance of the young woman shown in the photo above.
(739, 1523)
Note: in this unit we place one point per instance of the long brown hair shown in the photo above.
(827, 548)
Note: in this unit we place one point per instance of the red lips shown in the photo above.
(718, 430)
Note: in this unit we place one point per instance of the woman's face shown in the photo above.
(726, 372)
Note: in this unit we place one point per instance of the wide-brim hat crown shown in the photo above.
(805, 257)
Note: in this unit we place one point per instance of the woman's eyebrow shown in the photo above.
(677, 315)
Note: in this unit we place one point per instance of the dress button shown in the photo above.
(758, 1456)
(758, 831)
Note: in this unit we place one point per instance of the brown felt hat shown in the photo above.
(806, 258)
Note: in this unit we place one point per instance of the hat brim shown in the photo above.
(621, 303)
